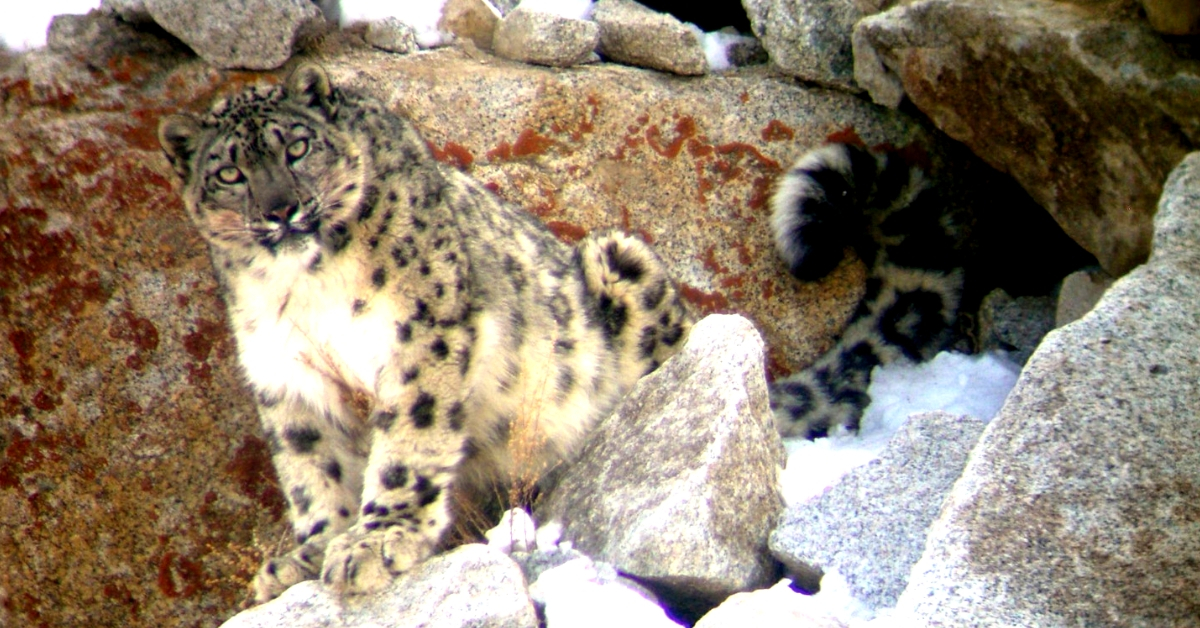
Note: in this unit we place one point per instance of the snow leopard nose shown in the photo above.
(281, 212)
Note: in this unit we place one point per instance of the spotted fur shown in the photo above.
(840, 195)
(398, 323)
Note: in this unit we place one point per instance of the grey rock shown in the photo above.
(1052, 93)
(871, 525)
(241, 34)
(632, 34)
(392, 35)
(473, 585)
(1080, 292)
(808, 38)
(129, 10)
(544, 39)
(1014, 325)
(98, 36)
(1080, 505)
(679, 487)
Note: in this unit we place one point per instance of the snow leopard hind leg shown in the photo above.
(841, 195)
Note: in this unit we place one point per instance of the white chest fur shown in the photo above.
(300, 336)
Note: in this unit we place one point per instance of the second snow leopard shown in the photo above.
(911, 239)
(399, 325)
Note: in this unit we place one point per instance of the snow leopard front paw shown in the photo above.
(281, 572)
(363, 561)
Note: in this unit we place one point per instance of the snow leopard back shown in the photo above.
(911, 240)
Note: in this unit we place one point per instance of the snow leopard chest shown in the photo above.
(310, 337)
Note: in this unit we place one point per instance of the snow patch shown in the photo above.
(25, 24)
(422, 16)
(583, 594)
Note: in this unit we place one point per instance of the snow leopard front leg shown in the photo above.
(320, 469)
(417, 443)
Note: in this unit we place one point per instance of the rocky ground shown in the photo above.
(135, 488)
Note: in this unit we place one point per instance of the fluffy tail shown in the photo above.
(636, 301)
(840, 195)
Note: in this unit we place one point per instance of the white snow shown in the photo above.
(422, 16)
(577, 594)
(956, 383)
(24, 24)
(574, 9)
(716, 48)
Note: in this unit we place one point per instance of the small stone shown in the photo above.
(545, 39)
(1014, 325)
(632, 34)
(810, 39)
(1080, 292)
(392, 35)
(475, 20)
(240, 34)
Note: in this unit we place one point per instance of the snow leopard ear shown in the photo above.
(309, 85)
(177, 135)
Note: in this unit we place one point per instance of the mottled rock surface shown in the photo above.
(1081, 505)
(475, 20)
(1087, 112)
(240, 34)
(473, 585)
(126, 427)
(633, 34)
(871, 525)
(809, 39)
(679, 487)
(545, 39)
(1080, 292)
(392, 35)
(1014, 325)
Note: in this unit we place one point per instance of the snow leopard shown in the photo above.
(912, 239)
(399, 325)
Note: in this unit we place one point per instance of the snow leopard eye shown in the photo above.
(229, 175)
(297, 149)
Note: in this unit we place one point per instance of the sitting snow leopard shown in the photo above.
(397, 322)
(911, 239)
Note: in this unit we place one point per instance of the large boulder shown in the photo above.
(679, 487)
(1081, 504)
(1087, 112)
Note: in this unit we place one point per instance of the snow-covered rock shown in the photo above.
(871, 525)
(1080, 505)
(474, 585)
(679, 487)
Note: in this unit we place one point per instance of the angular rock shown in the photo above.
(126, 425)
(871, 525)
(1080, 292)
(1080, 505)
(240, 34)
(777, 607)
(134, 11)
(545, 39)
(1014, 325)
(1087, 113)
(99, 36)
(473, 585)
(679, 487)
(475, 20)
(809, 39)
(632, 34)
(392, 35)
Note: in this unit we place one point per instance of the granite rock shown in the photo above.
(632, 34)
(1088, 112)
(1014, 325)
(871, 525)
(240, 34)
(545, 39)
(473, 585)
(473, 20)
(392, 35)
(1080, 292)
(1173, 17)
(134, 11)
(1080, 505)
(679, 487)
(809, 39)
